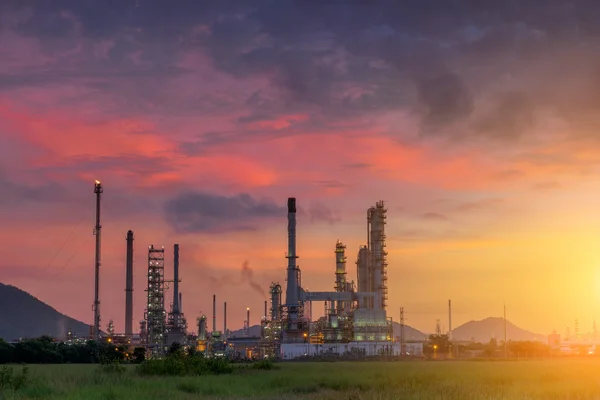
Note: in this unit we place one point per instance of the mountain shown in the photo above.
(482, 331)
(24, 316)
(409, 332)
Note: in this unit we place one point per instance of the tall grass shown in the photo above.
(556, 379)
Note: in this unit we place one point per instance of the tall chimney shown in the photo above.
(180, 304)
(225, 318)
(129, 286)
(449, 319)
(214, 313)
(97, 230)
(248, 320)
(292, 271)
(176, 279)
(265, 315)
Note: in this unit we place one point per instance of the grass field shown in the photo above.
(555, 379)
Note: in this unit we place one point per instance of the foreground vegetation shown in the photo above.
(554, 379)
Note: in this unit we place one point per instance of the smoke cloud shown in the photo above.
(248, 275)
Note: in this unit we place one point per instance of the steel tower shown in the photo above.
(97, 232)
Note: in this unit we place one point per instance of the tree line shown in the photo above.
(441, 347)
(46, 350)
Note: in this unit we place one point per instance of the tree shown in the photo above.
(175, 349)
(6, 352)
(139, 355)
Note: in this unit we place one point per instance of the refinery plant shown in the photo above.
(355, 320)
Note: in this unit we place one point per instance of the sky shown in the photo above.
(475, 121)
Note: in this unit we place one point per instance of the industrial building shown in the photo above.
(355, 320)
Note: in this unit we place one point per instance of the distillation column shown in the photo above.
(378, 262)
(364, 283)
(340, 275)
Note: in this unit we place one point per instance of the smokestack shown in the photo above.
(176, 278)
(248, 319)
(97, 229)
(225, 318)
(265, 309)
(180, 303)
(214, 313)
(129, 286)
(292, 271)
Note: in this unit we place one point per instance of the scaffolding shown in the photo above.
(155, 314)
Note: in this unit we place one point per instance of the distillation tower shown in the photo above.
(355, 319)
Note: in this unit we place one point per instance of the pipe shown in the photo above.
(176, 279)
(97, 230)
(225, 318)
(292, 270)
(129, 286)
(214, 313)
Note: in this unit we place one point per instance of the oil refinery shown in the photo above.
(355, 320)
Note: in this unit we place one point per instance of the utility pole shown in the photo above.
(402, 346)
(97, 230)
(505, 344)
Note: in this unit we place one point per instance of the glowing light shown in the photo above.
(97, 182)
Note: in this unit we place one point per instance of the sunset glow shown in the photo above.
(481, 135)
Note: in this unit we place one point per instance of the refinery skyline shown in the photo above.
(479, 135)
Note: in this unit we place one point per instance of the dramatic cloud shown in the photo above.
(203, 111)
(203, 212)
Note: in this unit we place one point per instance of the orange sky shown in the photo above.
(480, 136)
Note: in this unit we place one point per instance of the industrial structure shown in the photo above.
(155, 314)
(97, 230)
(129, 286)
(355, 319)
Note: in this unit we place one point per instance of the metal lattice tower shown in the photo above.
(155, 314)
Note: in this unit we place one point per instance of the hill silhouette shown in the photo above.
(484, 330)
(24, 316)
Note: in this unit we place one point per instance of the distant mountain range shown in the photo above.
(24, 316)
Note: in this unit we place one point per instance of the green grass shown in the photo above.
(522, 380)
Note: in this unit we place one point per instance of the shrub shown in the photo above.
(10, 380)
(111, 366)
(264, 365)
(181, 366)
